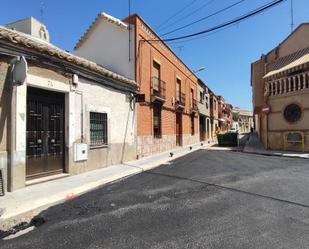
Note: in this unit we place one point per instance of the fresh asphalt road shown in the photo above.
(208, 199)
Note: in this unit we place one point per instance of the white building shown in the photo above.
(69, 115)
(111, 45)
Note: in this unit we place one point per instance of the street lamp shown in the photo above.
(199, 69)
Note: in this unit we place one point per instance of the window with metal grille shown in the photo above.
(98, 129)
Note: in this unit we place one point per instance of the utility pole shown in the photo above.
(292, 16)
(129, 30)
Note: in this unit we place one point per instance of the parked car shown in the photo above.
(234, 130)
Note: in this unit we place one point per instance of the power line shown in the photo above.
(204, 18)
(176, 14)
(188, 15)
(202, 36)
(236, 20)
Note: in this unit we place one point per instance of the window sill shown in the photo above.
(93, 147)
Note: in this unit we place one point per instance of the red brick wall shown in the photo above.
(171, 68)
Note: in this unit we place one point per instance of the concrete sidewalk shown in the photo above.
(254, 146)
(22, 205)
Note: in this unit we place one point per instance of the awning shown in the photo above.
(287, 63)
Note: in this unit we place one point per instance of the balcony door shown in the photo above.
(178, 89)
(156, 75)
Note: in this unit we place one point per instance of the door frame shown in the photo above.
(18, 167)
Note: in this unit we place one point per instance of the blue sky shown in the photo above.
(226, 54)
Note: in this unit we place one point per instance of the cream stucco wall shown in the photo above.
(297, 41)
(80, 100)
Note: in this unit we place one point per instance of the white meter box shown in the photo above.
(80, 152)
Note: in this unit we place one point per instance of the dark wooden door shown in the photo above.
(178, 128)
(202, 128)
(45, 133)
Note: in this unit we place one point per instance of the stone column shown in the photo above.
(281, 82)
(285, 81)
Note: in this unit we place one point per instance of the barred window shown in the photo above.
(98, 128)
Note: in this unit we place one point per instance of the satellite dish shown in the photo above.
(19, 70)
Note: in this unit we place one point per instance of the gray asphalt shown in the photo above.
(208, 199)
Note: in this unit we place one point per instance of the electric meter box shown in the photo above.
(80, 152)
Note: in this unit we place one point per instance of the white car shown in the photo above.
(234, 130)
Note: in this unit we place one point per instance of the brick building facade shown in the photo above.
(169, 116)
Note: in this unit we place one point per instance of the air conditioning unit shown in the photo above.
(80, 152)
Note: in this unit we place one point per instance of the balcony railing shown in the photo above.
(158, 89)
(287, 85)
(194, 107)
(180, 100)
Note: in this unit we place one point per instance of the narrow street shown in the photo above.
(208, 199)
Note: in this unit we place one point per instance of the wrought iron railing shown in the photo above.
(194, 107)
(180, 99)
(158, 88)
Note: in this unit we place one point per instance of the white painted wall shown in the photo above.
(121, 118)
(86, 97)
(108, 45)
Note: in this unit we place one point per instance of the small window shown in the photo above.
(292, 113)
(201, 97)
(98, 129)
(157, 120)
(192, 125)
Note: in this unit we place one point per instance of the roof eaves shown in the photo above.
(20, 39)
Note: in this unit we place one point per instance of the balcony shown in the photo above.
(180, 100)
(287, 85)
(194, 107)
(158, 89)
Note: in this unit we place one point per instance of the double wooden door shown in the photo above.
(45, 133)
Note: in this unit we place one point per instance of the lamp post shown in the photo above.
(199, 70)
(194, 72)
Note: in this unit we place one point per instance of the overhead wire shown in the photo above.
(204, 18)
(228, 23)
(188, 15)
(176, 14)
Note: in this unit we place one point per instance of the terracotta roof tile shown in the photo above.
(39, 45)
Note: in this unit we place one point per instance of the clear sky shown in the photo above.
(226, 54)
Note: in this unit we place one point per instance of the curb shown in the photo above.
(274, 155)
(12, 220)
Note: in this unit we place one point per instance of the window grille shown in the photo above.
(98, 129)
